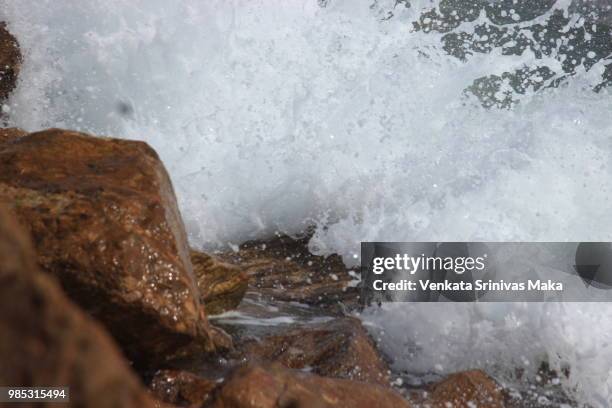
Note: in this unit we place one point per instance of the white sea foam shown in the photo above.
(278, 114)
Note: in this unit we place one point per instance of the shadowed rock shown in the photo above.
(283, 269)
(181, 388)
(222, 285)
(47, 341)
(105, 222)
(10, 62)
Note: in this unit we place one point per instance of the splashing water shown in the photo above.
(349, 115)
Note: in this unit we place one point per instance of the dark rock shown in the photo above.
(594, 11)
(105, 222)
(10, 62)
(47, 341)
(182, 388)
(257, 386)
(284, 269)
(341, 348)
(222, 285)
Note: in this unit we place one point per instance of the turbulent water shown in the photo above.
(373, 120)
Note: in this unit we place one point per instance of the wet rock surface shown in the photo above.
(260, 384)
(311, 337)
(105, 222)
(258, 317)
(47, 341)
(519, 26)
(9, 134)
(222, 285)
(282, 268)
(340, 348)
(272, 386)
(465, 390)
(594, 11)
(10, 62)
(182, 388)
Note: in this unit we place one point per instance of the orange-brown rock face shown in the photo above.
(275, 387)
(104, 220)
(8, 134)
(10, 62)
(466, 390)
(47, 341)
(222, 285)
(283, 269)
(340, 348)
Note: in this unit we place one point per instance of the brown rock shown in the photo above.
(182, 388)
(275, 387)
(466, 390)
(222, 285)
(10, 62)
(8, 134)
(341, 348)
(284, 269)
(105, 221)
(47, 341)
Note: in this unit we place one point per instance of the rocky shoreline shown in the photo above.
(110, 264)
(101, 292)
